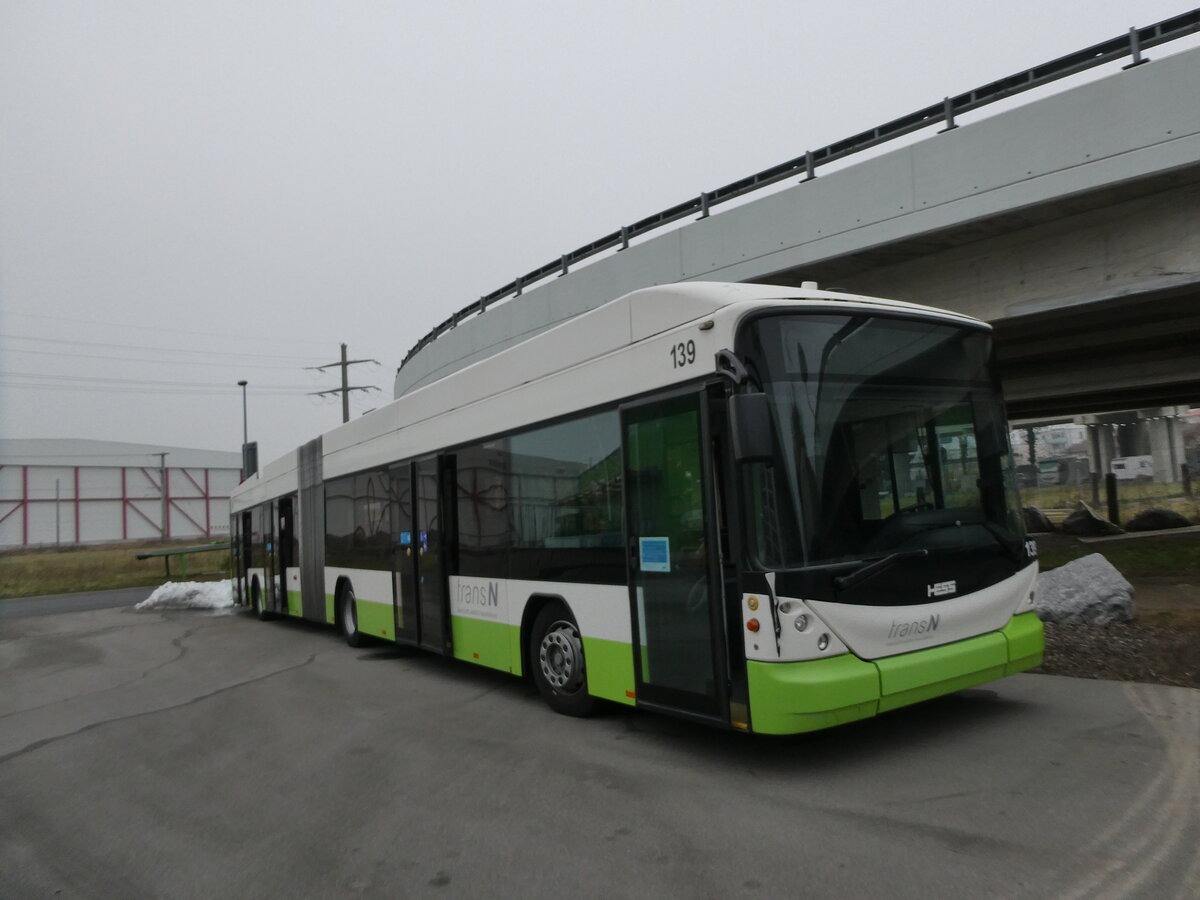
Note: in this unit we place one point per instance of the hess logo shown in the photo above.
(941, 589)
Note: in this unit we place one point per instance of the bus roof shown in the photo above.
(585, 344)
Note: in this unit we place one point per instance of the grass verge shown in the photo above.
(62, 570)
(1134, 557)
(1132, 497)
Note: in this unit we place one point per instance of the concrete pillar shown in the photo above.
(1100, 444)
(1131, 434)
(1166, 442)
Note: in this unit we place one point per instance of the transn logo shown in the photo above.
(941, 589)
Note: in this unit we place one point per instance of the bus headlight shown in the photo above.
(801, 622)
(823, 642)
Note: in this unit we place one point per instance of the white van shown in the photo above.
(1133, 468)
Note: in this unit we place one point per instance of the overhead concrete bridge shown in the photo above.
(1071, 223)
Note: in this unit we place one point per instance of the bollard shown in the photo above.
(1110, 491)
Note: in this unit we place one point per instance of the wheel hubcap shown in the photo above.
(561, 657)
(348, 621)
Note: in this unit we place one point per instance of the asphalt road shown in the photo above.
(191, 754)
(51, 604)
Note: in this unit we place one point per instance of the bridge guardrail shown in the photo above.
(944, 112)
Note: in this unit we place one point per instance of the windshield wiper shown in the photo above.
(1010, 546)
(870, 570)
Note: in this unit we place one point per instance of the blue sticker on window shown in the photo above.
(655, 554)
(405, 538)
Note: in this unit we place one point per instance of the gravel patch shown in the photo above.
(1124, 652)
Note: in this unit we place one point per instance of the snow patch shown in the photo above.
(190, 595)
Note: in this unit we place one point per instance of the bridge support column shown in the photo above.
(1166, 441)
(1154, 432)
(1100, 446)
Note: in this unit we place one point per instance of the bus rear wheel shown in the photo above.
(348, 618)
(256, 601)
(557, 664)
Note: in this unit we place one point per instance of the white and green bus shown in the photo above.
(767, 508)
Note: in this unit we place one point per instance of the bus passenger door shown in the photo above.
(285, 551)
(241, 550)
(245, 556)
(404, 549)
(674, 595)
(420, 578)
(270, 560)
(431, 570)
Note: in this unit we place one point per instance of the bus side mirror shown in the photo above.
(750, 428)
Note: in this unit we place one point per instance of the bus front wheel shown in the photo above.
(557, 664)
(348, 616)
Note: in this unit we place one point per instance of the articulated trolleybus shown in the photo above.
(772, 509)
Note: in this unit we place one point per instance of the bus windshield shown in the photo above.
(889, 437)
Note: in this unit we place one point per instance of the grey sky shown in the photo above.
(195, 193)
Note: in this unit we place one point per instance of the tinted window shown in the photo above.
(358, 521)
(544, 504)
(257, 555)
(484, 532)
(566, 492)
(890, 438)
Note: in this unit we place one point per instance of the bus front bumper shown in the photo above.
(793, 697)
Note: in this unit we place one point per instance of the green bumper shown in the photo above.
(788, 698)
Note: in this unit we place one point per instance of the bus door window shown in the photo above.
(725, 514)
(954, 431)
(894, 470)
(404, 553)
(270, 556)
(246, 557)
(286, 549)
(671, 579)
(870, 442)
(430, 574)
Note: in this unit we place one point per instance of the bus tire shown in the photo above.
(256, 601)
(348, 617)
(556, 662)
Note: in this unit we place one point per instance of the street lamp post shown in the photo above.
(245, 434)
(245, 431)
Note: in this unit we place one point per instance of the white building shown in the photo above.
(1053, 441)
(88, 492)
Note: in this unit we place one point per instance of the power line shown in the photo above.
(126, 455)
(117, 389)
(188, 331)
(169, 362)
(89, 389)
(92, 387)
(111, 346)
(93, 380)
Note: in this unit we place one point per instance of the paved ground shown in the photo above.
(189, 754)
(49, 604)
